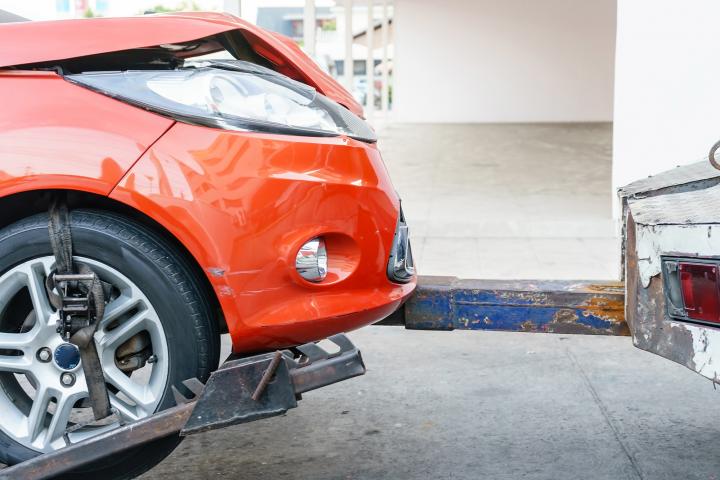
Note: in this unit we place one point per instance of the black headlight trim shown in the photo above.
(343, 118)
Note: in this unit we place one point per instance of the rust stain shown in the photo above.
(565, 315)
(609, 287)
(608, 308)
(532, 297)
(566, 321)
(653, 331)
(528, 326)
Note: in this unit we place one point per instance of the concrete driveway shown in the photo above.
(470, 405)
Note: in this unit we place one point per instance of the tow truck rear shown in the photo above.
(672, 258)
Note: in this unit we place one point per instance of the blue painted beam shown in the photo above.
(449, 303)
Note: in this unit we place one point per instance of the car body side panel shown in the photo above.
(243, 204)
(57, 135)
(675, 219)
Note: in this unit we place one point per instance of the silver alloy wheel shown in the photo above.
(56, 406)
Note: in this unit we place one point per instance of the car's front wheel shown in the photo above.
(157, 331)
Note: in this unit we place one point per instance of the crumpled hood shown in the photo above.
(34, 42)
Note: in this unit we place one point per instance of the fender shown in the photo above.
(54, 134)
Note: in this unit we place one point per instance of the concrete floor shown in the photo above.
(470, 405)
(507, 201)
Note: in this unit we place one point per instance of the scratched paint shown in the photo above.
(706, 342)
(695, 346)
(654, 241)
(675, 215)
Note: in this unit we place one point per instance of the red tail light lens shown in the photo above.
(700, 291)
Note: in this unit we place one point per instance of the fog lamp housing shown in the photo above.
(311, 260)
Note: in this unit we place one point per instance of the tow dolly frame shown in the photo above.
(240, 391)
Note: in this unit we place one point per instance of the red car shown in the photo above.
(216, 180)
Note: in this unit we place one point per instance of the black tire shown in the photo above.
(165, 278)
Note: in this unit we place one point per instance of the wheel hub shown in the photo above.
(67, 356)
(42, 385)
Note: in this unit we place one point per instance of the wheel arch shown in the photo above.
(16, 206)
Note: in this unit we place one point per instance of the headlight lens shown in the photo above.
(234, 95)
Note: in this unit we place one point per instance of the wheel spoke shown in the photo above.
(140, 395)
(61, 417)
(121, 305)
(110, 339)
(35, 274)
(16, 341)
(15, 364)
(125, 410)
(38, 412)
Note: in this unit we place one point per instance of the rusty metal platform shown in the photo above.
(449, 303)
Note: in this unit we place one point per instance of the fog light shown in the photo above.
(311, 260)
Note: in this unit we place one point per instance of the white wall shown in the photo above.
(504, 60)
(667, 90)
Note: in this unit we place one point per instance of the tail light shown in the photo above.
(692, 289)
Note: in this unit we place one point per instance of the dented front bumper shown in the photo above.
(673, 214)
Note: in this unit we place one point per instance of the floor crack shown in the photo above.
(606, 414)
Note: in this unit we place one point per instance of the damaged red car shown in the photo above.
(213, 179)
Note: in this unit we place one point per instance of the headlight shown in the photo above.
(234, 95)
